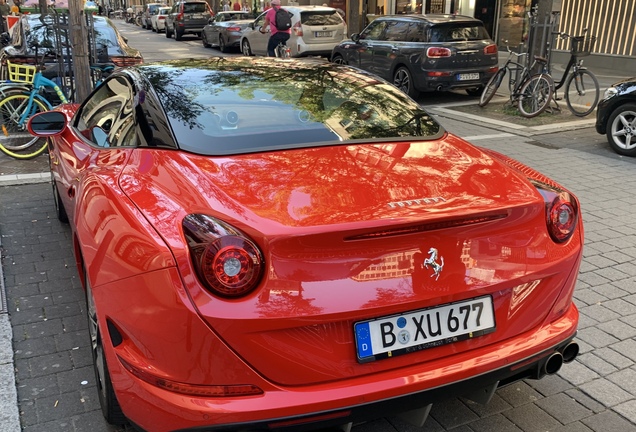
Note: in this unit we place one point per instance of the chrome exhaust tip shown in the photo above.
(553, 364)
(570, 352)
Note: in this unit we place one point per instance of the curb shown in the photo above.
(9, 415)
(21, 179)
(504, 126)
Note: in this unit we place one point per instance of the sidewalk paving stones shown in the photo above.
(48, 350)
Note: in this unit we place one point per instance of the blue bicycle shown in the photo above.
(23, 98)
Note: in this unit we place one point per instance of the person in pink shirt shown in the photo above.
(277, 36)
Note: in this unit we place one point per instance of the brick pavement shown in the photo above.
(55, 383)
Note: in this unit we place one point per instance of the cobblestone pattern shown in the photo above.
(597, 392)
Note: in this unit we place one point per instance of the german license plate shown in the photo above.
(324, 34)
(468, 76)
(414, 331)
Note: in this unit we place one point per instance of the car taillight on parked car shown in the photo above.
(126, 61)
(179, 17)
(438, 52)
(561, 211)
(227, 262)
(298, 29)
(233, 29)
(491, 49)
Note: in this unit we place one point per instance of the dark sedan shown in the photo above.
(420, 53)
(42, 31)
(616, 117)
(225, 30)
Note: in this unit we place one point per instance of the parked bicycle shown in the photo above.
(24, 96)
(531, 93)
(582, 90)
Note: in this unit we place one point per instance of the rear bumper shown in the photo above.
(364, 398)
(300, 48)
(450, 80)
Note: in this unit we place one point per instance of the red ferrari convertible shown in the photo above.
(290, 245)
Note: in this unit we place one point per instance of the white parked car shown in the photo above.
(158, 20)
(315, 31)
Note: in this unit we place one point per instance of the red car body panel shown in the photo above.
(344, 231)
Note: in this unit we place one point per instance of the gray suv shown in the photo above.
(187, 17)
(420, 53)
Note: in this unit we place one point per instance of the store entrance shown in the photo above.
(486, 10)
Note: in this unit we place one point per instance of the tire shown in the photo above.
(535, 95)
(177, 35)
(403, 80)
(621, 130)
(582, 92)
(338, 59)
(15, 139)
(491, 87)
(245, 48)
(107, 399)
(204, 40)
(59, 207)
(168, 32)
(222, 46)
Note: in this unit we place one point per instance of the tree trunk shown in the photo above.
(81, 62)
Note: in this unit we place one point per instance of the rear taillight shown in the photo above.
(162, 18)
(491, 49)
(179, 17)
(561, 211)
(126, 61)
(438, 52)
(227, 262)
(298, 29)
(233, 29)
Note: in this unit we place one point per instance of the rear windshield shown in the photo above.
(457, 32)
(316, 18)
(194, 7)
(232, 106)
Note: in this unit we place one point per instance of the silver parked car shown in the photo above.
(225, 29)
(315, 31)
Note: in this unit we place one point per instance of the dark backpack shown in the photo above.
(282, 19)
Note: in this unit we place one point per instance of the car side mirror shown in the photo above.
(252, 25)
(46, 124)
(355, 37)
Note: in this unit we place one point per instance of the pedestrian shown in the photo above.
(246, 6)
(5, 11)
(236, 6)
(277, 36)
(226, 5)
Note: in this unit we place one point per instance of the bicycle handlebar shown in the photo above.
(568, 36)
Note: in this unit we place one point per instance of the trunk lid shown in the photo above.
(345, 232)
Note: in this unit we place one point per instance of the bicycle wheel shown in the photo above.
(15, 139)
(582, 92)
(491, 88)
(535, 95)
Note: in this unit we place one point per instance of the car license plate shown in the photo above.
(324, 34)
(414, 331)
(468, 76)
(196, 16)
